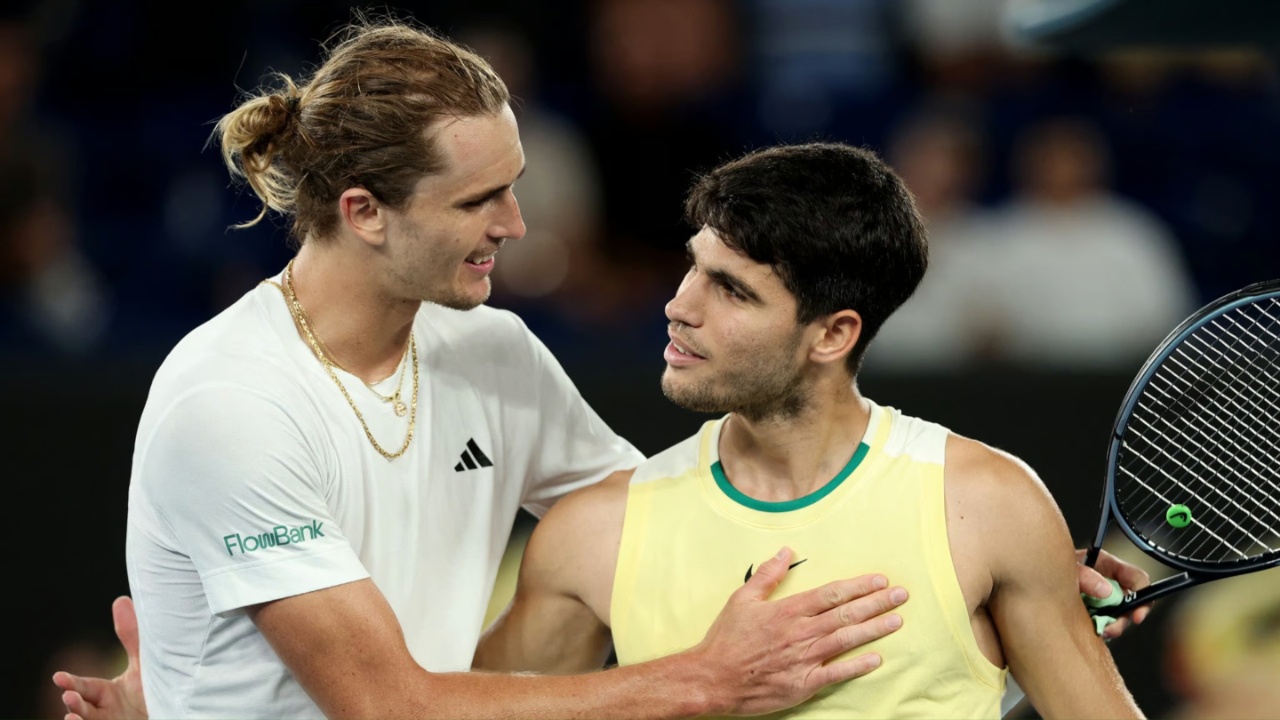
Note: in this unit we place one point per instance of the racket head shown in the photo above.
(1193, 466)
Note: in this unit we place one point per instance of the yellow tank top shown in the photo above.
(690, 539)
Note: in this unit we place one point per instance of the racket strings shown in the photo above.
(1236, 450)
(1223, 542)
(1155, 499)
(1262, 418)
(1215, 453)
(1203, 433)
(1223, 509)
(1245, 410)
(1252, 457)
(1237, 383)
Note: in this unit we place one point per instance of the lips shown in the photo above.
(684, 351)
(684, 347)
(484, 256)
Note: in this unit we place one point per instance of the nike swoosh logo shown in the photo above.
(751, 568)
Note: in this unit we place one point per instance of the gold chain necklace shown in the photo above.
(299, 316)
(398, 405)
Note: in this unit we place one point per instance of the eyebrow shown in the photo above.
(490, 192)
(725, 278)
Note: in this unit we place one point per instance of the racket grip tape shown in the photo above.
(1115, 598)
(1101, 621)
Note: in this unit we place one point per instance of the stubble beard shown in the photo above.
(444, 291)
(420, 272)
(456, 300)
(765, 389)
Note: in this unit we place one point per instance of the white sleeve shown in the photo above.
(574, 447)
(239, 490)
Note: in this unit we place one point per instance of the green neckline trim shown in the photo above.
(736, 495)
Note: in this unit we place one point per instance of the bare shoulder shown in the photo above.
(979, 472)
(574, 548)
(1001, 505)
(590, 507)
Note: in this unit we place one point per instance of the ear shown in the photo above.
(364, 215)
(837, 335)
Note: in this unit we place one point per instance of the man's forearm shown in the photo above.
(345, 648)
(677, 686)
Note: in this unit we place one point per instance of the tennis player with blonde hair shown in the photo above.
(326, 473)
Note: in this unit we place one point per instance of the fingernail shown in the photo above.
(1102, 589)
(874, 661)
(880, 582)
(898, 595)
(782, 554)
(893, 622)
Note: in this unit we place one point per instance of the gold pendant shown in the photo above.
(400, 408)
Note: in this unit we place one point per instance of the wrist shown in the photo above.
(698, 684)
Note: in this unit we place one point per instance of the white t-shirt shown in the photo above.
(253, 480)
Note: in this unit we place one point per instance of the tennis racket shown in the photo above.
(1193, 468)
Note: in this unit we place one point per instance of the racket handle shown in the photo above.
(1119, 603)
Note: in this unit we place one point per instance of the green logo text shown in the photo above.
(279, 535)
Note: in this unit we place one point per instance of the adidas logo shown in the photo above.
(473, 457)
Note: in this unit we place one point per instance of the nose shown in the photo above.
(683, 308)
(509, 223)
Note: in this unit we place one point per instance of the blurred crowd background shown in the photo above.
(1079, 206)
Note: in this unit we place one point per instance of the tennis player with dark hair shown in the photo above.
(803, 253)
(326, 473)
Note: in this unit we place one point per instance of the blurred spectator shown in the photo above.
(1223, 658)
(959, 46)
(1195, 140)
(940, 154)
(52, 299)
(665, 76)
(960, 51)
(1082, 278)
